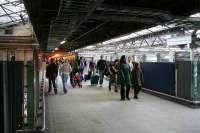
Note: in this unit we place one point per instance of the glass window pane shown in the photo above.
(4, 19)
(14, 10)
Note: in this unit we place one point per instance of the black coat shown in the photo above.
(101, 64)
(52, 70)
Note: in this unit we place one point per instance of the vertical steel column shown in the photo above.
(194, 91)
(18, 90)
(1, 99)
(198, 79)
(11, 94)
(31, 104)
(5, 99)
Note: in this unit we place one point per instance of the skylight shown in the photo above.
(12, 12)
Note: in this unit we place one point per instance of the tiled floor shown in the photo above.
(92, 109)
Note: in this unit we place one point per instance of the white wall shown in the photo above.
(18, 30)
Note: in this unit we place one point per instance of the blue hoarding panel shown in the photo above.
(159, 76)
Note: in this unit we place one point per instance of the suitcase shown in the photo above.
(94, 79)
(88, 76)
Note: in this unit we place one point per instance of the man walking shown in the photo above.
(101, 66)
(92, 65)
(51, 74)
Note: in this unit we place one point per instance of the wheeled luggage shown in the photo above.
(94, 79)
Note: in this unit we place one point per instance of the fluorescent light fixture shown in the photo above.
(90, 47)
(62, 42)
(195, 15)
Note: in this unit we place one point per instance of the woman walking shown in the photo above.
(125, 78)
(65, 70)
(138, 80)
(113, 70)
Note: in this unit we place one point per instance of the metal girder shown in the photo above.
(160, 40)
(125, 19)
(137, 10)
(77, 25)
(141, 42)
(146, 42)
(93, 29)
(154, 41)
(152, 34)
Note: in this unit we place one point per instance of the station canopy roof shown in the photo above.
(79, 23)
(12, 12)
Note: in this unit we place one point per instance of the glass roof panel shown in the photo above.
(10, 11)
(1, 11)
(4, 19)
(13, 8)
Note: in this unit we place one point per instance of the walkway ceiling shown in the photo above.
(84, 22)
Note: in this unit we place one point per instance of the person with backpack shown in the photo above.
(51, 74)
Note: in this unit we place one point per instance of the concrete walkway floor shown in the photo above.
(92, 109)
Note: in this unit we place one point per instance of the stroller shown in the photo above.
(76, 79)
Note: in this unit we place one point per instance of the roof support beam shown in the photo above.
(137, 10)
(125, 19)
(86, 17)
(93, 29)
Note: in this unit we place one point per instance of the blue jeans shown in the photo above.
(64, 81)
(101, 76)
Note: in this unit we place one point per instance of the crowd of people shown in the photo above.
(124, 74)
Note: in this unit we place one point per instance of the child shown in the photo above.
(77, 80)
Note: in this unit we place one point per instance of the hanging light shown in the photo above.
(62, 42)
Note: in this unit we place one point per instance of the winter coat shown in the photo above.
(137, 77)
(125, 74)
(52, 71)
